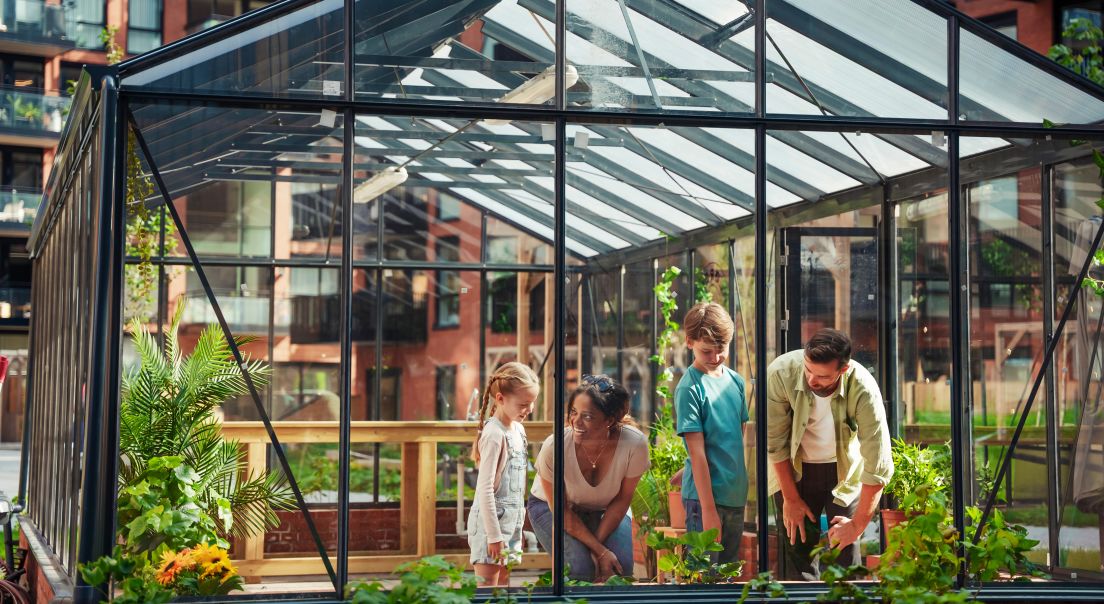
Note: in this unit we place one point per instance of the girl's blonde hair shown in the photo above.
(507, 379)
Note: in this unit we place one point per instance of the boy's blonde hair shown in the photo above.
(708, 322)
(507, 379)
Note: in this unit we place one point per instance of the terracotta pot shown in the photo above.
(677, 511)
(890, 519)
(872, 561)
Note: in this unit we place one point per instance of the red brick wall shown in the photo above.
(36, 581)
(1034, 20)
(370, 530)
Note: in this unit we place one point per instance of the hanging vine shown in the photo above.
(666, 296)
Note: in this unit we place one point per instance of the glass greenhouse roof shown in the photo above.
(626, 186)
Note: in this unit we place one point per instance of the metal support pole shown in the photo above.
(101, 456)
(887, 258)
(344, 445)
(1053, 421)
(559, 347)
(760, 376)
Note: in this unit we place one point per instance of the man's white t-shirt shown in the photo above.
(818, 444)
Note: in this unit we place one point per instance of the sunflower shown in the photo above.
(207, 554)
(223, 568)
(173, 563)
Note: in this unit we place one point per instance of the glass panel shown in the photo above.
(247, 182)
(639, 173)
(460, 53)
(438, 177)
(299, 54)
(1006, 335)
(1032, 96)
(827, 243)
(655, 57)
(822, 55)
(1077, 188)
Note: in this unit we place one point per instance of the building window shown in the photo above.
(448, 207)
(21, 169)
(448, 284)
(89, 16)
(144, 27)
(1068, 12)
(1005, 23)
(446, 391)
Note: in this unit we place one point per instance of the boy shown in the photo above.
(711, 411)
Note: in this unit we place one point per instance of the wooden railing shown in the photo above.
(417, 501)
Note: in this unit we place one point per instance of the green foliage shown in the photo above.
(763, 584)
(25, 108)
(431, 580)
(1002, 548)
(167, 409)
(921, 561)
(134, 583)
(1087, 60)
(702, 292)
(110, 46)
(143, 236)
(667, 298)
(694, 564)
(159, 510)
(915, 466)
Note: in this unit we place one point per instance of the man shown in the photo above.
(828, 447)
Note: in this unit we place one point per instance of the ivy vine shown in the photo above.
(667, 298)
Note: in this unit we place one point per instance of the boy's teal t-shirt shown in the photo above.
(715, 406)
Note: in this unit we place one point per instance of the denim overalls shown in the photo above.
(509, 501)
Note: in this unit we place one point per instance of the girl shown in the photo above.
(500, 452)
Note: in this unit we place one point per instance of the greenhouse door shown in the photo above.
(829, 278)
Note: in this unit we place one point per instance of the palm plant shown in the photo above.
(167, 409)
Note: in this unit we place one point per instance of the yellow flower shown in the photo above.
(173, 563)
(223, 568)
(206, 554)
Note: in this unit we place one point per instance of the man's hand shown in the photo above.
(844, 532)
(494, 550)
(711, 520)
(794, 513)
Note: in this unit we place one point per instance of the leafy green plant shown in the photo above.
(1087, 60)
(431, 580)
(693, 564)
(1001, 550)
(763, 584)
(667, 298)
(167, 409)
(916, 466)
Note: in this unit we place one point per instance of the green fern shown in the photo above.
(168, 409)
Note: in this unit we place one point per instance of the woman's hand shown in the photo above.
(606, 566)
(494, 551)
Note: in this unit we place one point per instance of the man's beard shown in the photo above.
(825, 392)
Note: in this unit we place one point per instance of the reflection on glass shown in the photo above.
(297, 54)
(1077, 188)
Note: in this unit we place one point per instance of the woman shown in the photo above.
(603, 460)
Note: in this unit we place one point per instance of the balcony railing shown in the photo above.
(19, 207)
(33, 112)
(15, 303)
(37, 21)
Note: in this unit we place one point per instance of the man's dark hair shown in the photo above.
(829, 345)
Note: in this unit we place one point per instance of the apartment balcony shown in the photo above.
(31, 118)
(36, 27)
(18, 209)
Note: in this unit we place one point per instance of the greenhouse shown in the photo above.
(329, 223)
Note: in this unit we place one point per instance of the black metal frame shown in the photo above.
(97, 510)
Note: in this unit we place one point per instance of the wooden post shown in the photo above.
(523, 289)
(427, 498)
(255, 465)
(408, 504)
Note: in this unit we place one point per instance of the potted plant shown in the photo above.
(687, 557)
(914, 466)
(668, 457)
